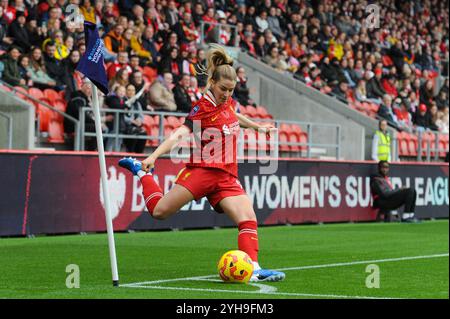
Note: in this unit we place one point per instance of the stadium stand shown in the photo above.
(321, 43)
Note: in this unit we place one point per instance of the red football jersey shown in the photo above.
(216, 130)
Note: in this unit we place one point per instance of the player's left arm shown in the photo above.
(245, 122)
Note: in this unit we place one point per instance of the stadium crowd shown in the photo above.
(154, 61)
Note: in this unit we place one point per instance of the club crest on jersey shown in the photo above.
(194, 110)
(226, 129)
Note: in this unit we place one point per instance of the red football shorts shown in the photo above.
(213, 183)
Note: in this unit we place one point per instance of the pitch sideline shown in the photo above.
(268, 290)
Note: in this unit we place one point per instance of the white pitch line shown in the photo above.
(264, 293)
(294, 268)
(364, 262)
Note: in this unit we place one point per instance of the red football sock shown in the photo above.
(248, 238)
(152, 192)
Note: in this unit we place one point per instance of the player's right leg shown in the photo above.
(159, 205)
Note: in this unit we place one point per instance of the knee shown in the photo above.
(161, 212)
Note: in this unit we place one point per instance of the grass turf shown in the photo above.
(36, 267)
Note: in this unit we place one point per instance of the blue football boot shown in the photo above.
(267, 275)
(131, 164)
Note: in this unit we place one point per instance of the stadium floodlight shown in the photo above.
(92, 66)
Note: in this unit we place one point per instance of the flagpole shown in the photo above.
(105, 188)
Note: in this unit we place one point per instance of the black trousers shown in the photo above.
(136, 145)
(398, 198)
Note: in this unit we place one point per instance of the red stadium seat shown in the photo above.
(294, 137)
(296, 128)
(51, 94)
(5, 88)
(44, 116)
(173, 121)
(402, 146)
(20, 92)
(55, 132)
(285, 128)
(59, 105)
(283, 137)
(251, 111)
(262, 112)
(304, 140)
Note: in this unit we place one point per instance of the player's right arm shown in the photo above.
(165, 147)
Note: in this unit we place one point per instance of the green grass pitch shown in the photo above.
(321, 261)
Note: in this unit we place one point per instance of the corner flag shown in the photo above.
(92, 66)
(92, 63)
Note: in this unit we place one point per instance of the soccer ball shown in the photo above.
(235, 266)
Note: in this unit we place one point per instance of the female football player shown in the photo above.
(213, 174)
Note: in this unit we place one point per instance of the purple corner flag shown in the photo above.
(91, 63)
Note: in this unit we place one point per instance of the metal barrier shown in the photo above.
(117, 136)
(65, 115)
(10, 125)
(421, 151)
(217, 27)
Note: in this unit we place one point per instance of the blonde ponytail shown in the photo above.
(220, 65)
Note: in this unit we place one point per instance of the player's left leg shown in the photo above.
(240, 210)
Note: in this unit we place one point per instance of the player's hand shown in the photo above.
(267, 128)
(148, 164)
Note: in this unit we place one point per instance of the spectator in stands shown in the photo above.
(328, 72)
(194, 91)
(18, 32)
(120, 79)
(169, 45)
(389, 85)
(134, 122)
(422, 119)
(122, 62)
(386, 198)
(200, 67)
(114, 41)
(385, 111)
(260, 46)
(274, 23)
(442, 100)
(181, 95)
(241, 91)
(24, 63)
(443, 121)
(11, 73)
(70, 65)
(37, 71)
(137, 79)
(404, 118)
(171, 63)
(274, 59)
(340, 91)
(381, 143)
(80, 99)
(54, 67)
(161, 95)
(427, 93)
(374, 88)
(148, 44)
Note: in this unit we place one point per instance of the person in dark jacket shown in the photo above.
(385, 111)
(80, 99)
(386, 198)
(180, 92)
(11, 72)
(18, 32)
(55, 68)
(241, 91)
(373, 87)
